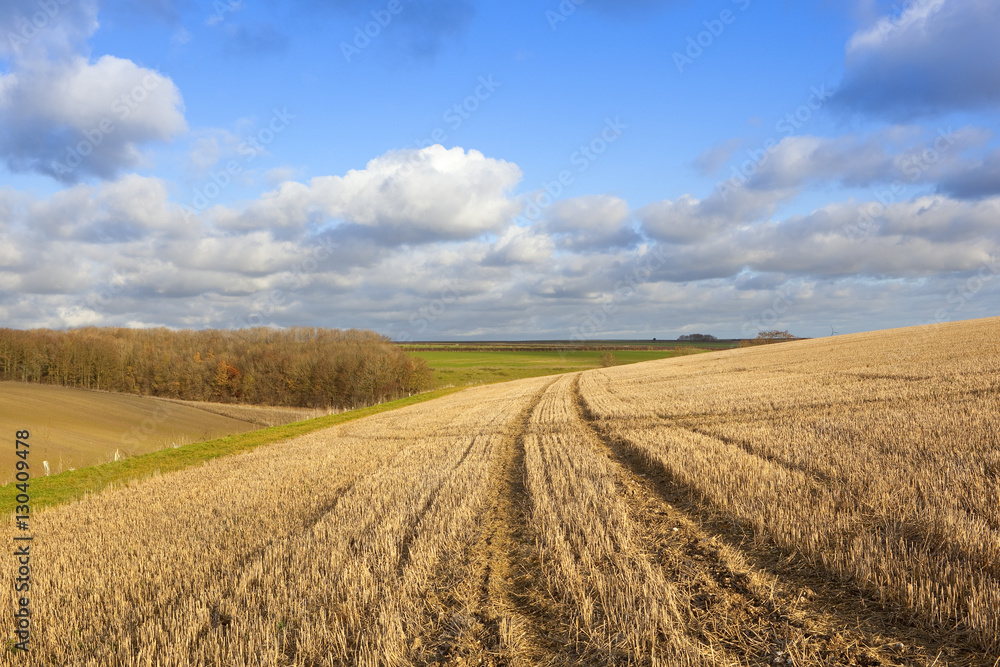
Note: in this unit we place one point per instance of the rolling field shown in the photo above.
(823, 502)
(74, 428)
(71, 485)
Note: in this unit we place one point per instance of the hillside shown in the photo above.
(820, 502)
(74, 428)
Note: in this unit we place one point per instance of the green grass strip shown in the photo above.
(73, 484)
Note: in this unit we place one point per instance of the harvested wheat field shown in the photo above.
(824, 502)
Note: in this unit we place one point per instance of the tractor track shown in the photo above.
(759, 602)
(492, 608)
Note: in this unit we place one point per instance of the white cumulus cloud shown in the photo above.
(410, 196)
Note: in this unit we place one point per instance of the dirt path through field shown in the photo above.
(493, 610)
(749, 597)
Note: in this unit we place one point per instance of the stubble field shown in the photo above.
(824, 502)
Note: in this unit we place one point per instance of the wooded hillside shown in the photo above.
(301, 366)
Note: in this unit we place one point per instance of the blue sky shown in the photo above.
(487, 170)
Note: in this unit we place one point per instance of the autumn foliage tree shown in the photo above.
(300, 366)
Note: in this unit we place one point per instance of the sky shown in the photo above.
(537, 169)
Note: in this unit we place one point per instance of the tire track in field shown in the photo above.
(748, 595)
(250, 565)
(619, 608)
(416, 524)
(251, 568)
(747, 446)
(913, 533)
(497, 613)
(528, 622)
(244, 570)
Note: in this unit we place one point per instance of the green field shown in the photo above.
(460, 366)
(570, 345)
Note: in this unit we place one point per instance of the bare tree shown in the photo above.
(766, 337)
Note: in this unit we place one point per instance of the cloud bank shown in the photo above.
(379, 246)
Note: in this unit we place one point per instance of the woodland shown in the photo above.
(300, 366)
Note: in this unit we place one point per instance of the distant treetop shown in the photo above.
(765, 337)
(698, 338)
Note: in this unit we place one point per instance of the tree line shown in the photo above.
(302, 366)
(768, 337)
(698, 338)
